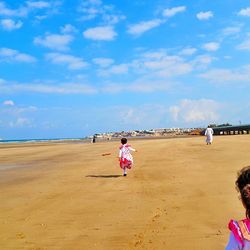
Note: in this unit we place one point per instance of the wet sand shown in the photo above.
(179, 195)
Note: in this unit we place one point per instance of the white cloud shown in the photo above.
(38, 4)
(226, 75)
(173, 71)
(16, 116)
(244, 12)
(119, 69)
(212, 46)
(141, 86)
(163, 62)
(162, 65)
(141, 116)
(138, 86)
(140, 28)
(5, 11)
(202, 61)
(195, 111)
(55, 41)
(174, 111)
(68, 28)
(66, 88)
(188, 51)
(91, 2)
(72, 62)
(9, 24)
(40, 17)
(105, 33)
(8, 103)
(173, 11)
(113, 19)
(231, 30)
(156, 55)
(50, 8)
(10, 55)
(204, 15)
(245, 45)
(21, 122)
(93, 9)
(62, 89)
(103, 62)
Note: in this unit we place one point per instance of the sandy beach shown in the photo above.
(179, 195)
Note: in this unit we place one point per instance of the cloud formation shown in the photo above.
(9, 24)
(68, 28)
(142, 27)
(195, 111)
(244, 12)
(92, 9)
(226, 76)
(54, 41)
(11, 55)
(63, 89)
(103, 62)
(161, 64)
(232, 30)
(102, 33)
(38, 4)
(5, 11)
(188, 51)
(8, 103)
(72, 62)
(245, 44)
(173, 11)
(212, 46)
(204, 15)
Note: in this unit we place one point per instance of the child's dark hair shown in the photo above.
(243, 186)
(124, 141)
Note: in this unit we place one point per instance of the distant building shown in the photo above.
(231, 130)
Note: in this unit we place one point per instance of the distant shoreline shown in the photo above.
(11, 143)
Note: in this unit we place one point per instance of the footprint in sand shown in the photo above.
(139, 240)
(137, 243)
(20, 236)
(156, 217)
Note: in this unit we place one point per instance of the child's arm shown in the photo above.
(132, 149)
(120, 155)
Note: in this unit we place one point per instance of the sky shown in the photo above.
(69, 69)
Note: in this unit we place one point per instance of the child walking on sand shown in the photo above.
(240, 230)
(125, 157)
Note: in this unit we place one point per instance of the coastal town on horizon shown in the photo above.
(220, 129)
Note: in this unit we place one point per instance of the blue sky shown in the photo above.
(75, 68)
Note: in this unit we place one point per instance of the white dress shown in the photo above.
(126, 159)
(209, 134)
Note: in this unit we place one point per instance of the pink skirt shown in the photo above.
(125, 163)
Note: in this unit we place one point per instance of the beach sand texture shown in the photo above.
(179, 195)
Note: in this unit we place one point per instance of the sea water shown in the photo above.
(43, 140)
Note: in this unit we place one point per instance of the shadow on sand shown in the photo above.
(105, 176)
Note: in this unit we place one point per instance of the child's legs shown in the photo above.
(124, 170)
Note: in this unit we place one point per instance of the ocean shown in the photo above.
(44, 140)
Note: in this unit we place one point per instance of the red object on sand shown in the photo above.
(104, 154)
